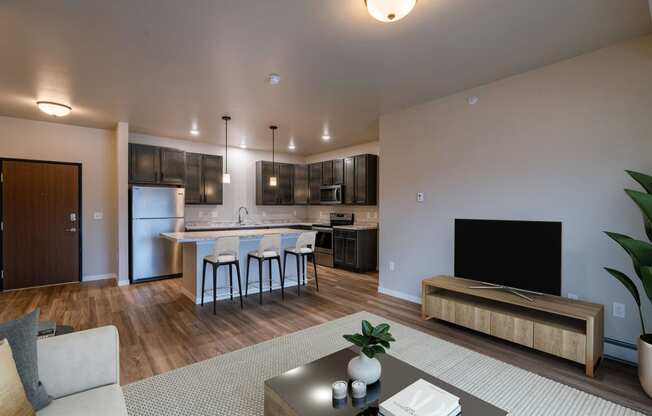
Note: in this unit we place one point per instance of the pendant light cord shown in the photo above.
(226, 143)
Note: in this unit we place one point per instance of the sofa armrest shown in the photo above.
(79, 361)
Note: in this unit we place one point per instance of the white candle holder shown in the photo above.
(358, 389)
(339, 390)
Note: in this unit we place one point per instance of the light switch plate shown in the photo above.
(391, 266)
(420, 196)
(619, 310)
(98, 215)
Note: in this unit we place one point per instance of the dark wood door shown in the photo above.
(194, 185)
(349, 181)
(212, 179)
(327, 172)
(143, 163)
(315, 183)
(301, 190)
(41, 237)
(338, 171)
(285, 181)
(361, 179)
(172, 167)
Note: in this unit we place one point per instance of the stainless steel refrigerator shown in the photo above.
(155, 210)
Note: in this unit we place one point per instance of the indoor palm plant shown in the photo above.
(372, 341)
(641, 255)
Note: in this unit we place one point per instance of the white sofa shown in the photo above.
(81, 371)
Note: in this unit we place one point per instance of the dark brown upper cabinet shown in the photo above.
(265, 194)
(348, 185)
(156, 165)
(301, 185)
(338, 171)
(203, 179)
(327, 172)
(366, 179)
(285, 183)
(315, 182)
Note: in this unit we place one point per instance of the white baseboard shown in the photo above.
(123, 282)
(98, 277)
(400, 295)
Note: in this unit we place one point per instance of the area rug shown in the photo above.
(232, 384)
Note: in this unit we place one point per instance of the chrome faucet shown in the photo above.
(240, 219)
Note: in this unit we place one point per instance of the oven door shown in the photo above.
(324, 246)
(330, 194)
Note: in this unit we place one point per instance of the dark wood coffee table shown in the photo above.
(306, 390)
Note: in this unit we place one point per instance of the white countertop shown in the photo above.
(356, 227)
(229, 225)
(199, 236)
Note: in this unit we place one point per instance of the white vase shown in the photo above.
(645, 363)
(364, 369)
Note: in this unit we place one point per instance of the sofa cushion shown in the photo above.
(22, 334)
(13, 401)
(102, 401)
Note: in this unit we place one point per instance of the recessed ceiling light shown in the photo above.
(390, 10)
(291, 146)
(472, 100)
(326, 137)
(274, 79)
(194, 132)
(54, 109)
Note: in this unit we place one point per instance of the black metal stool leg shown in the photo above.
(260, 281)
(214, 289)
(247, 281)
(298, 275)
(285, 261)
(269, 263)
(231, 279)
(237, 269)
(203, 283)
(303, 266)
(314, 264)
(280, 275)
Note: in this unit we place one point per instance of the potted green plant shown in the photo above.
(641, 255)
(372, 341)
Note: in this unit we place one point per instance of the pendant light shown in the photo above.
(272, 179)
(226, 177)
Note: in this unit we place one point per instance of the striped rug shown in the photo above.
(232, 384)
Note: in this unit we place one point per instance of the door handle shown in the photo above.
(72, 230)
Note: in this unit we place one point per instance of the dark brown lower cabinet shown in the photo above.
(355, 250)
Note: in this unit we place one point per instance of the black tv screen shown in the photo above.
(519, 254)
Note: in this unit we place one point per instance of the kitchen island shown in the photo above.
(198, 244)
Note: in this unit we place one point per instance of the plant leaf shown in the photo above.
(380, 330)
(378, 349)
(367, 328)
(369, 352)
(627, 282)
(641, 254)
(644, 202)
(384, 344)
(357, 339)
(644, 180)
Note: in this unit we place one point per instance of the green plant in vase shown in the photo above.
(641, 254)
(372, 341)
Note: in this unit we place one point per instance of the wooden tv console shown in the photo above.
(567, 328)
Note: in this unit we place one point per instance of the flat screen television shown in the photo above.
(518, 254)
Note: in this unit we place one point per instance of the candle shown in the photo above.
(358, 389)
(339, 390)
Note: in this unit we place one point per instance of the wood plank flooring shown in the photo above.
(161, 329)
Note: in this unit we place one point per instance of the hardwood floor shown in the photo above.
(161, 329)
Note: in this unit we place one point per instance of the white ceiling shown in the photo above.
(163, 64)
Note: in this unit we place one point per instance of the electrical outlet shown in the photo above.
(619, 310)
(573, 296)
(420, 197)
(391, 266)
(264, 214)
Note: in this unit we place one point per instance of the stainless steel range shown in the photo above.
(324, 242)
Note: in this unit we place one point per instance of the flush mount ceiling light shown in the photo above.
(273, 79)
(54, 109)
(226, 178)
(389, 10)
(272, 179)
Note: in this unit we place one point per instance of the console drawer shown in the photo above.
(511, 328)
(560, 342)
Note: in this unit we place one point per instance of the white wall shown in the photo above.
(242, 189)
(95, 150)
(550, 144)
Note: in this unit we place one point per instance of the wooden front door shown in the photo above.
(41, 236)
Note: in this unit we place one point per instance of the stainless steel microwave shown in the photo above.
(330, 194)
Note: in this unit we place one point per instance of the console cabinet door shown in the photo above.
(301, 185)
(143, 164)
(511, 328)
(315, 182)
(212, 179)
(349, 181)
(194, 185)
(172, 166)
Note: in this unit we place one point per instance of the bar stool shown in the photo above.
(304, 249)
(269, 249)
(225, 253)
